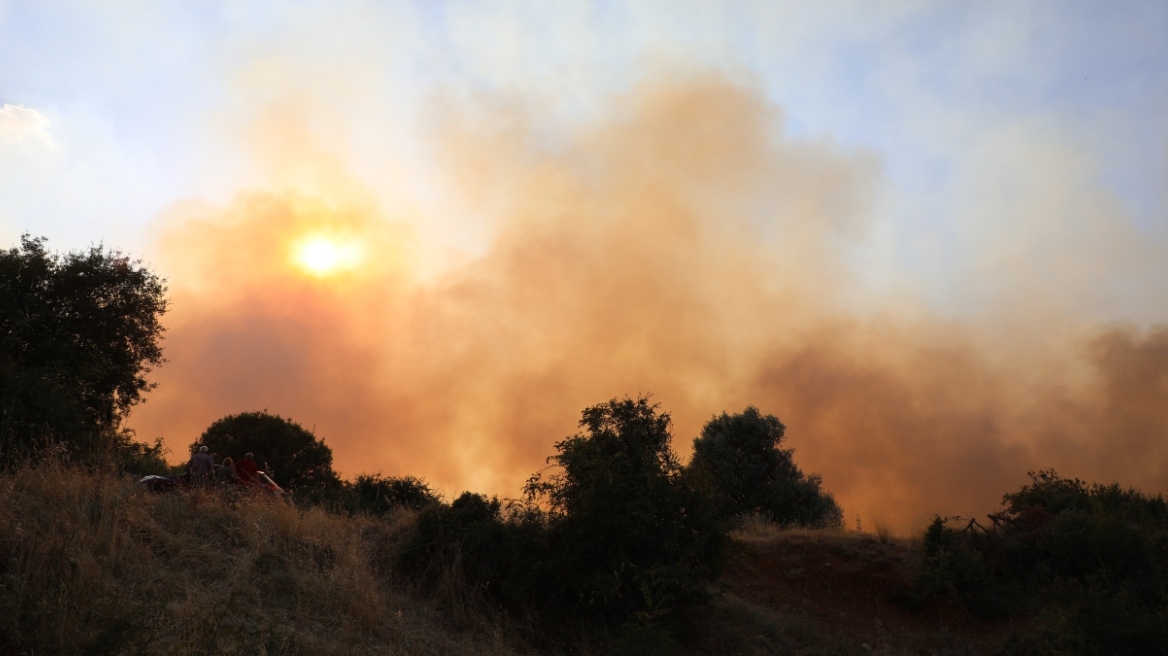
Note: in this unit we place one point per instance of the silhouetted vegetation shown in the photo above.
(78, 334)
(295, 458)
(616, 534)
(1090, 560)
(369, 494)
(477, 546)
(301, 463)
(737, 457)
(92, 564)
(643, 539)
(613, 541)
(374, 494)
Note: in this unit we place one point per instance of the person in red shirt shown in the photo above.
(246, 470)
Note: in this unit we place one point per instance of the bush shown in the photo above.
(1094, 558)
(637, 538)
(1088, 619)
(738, 458)
(478, 544)
(137, 458)
(952, 566)
(617, 535)
(374, 494)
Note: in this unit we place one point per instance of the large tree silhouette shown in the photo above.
(78, 334)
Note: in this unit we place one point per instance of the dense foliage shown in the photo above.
(1092, 560)
(645, 540)
(617, 533)
(504, 551)
(294, 457)
(78, 334)
(738, 458)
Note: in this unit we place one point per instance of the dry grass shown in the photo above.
(883, 531)
(90, 563)
(757, 530)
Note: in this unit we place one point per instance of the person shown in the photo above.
(200, 467)
(246, 470)
(226, 472)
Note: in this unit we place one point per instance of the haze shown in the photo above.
(929, 238)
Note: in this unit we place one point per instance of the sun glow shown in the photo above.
(323, 256)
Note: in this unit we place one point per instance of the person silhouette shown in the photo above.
(200, 467)
(226, 472)
(246, 470)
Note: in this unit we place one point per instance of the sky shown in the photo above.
(930, 237)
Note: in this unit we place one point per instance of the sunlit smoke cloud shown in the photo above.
(679, 244)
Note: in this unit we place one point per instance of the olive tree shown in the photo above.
(738, 457)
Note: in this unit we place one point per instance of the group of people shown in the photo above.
(203, 470)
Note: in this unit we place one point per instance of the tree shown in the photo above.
(739, 458)
(78, 334)
(295, 457)
(636, 539)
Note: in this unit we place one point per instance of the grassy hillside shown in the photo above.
(91, 564)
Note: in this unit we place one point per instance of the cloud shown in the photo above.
(18, 123)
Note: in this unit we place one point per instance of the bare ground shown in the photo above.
(831, 592)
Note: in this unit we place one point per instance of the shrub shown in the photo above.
(739, 459)
(476, 543)
(636, 538)
(952, 566)
(136, 457)
(374, 494)
(1093, 557)
(616, 535)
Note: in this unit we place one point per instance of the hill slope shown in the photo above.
(832, 592)
(92, 564)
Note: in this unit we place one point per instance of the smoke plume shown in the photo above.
(680, 244)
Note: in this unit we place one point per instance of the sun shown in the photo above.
(323, 255)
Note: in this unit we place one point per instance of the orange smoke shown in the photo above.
(681, 246)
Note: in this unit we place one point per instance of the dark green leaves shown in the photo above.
(78, 334)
